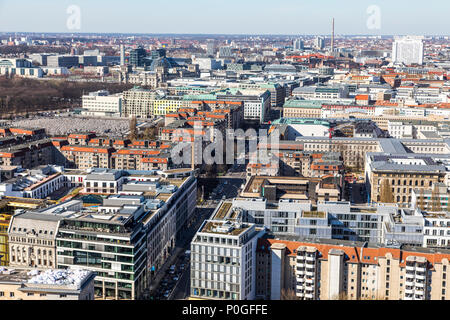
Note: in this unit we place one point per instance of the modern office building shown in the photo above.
(223, 260)
(19, 68)
(137, 57)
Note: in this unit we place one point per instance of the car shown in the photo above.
(166, 294)
(175, 278)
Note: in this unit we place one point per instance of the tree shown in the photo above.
(148, 133)
(133, 129)
(288, 294)
(421, 202)
(436, 199)
(386, 194)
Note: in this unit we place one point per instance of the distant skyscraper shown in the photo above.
(408, 50)
(122, 55)
(210, 49)
(298, 44)
(319, 43)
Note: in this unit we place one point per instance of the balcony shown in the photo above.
(420, 277)
(310, 281)
(309, 296)
(310, 273)
(300, 259)
(410, 269)
(299, 287)
(300, 294)
(310, 258)
(409, 291)
(409, 280)
(421, 269)
(300, 272)
(301, 280)
(418, 296)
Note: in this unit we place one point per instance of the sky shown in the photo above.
(289, 17)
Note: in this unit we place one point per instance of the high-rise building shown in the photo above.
(319, 43)
(137, 57)
(298, 44)
(210, 49)
(408, 50)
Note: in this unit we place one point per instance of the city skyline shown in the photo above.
(245, 19)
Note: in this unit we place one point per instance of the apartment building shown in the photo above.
(86, 157)
(308, 269)
(27, 154)
(80, 139)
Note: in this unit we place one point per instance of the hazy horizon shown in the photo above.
(232, 17)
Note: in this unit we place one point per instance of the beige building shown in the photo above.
(86, 157)
(32, 241)
(333, 269)
(403, 173)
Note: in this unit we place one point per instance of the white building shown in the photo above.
(101, 103)
(223, 260)
(20, 68)
(408, 50)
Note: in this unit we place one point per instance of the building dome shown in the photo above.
(160, 62)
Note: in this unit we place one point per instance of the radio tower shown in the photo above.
(332, 37)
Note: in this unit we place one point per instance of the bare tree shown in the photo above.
(133, 129)
(386, 194)
(436, 199)
(288, 294)
(421, 202)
